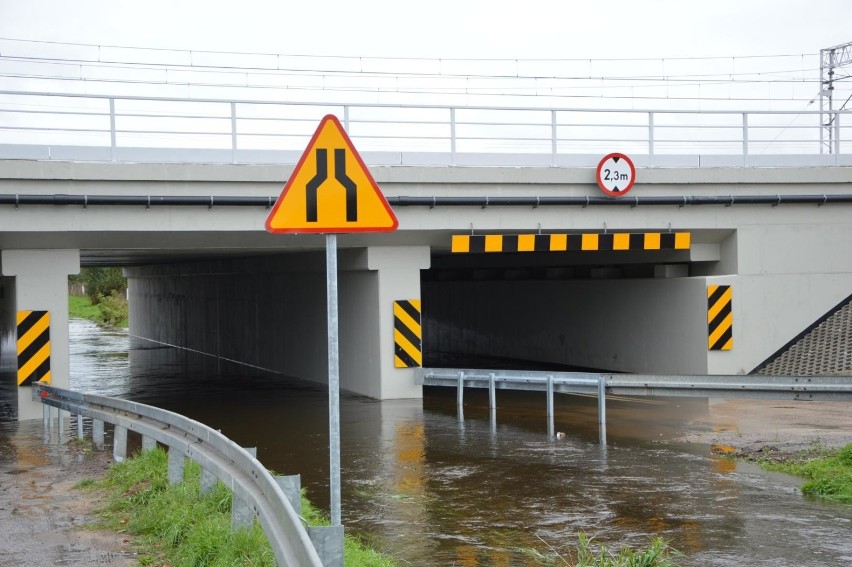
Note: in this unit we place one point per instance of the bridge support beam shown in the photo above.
(374, 278)
(41, 284)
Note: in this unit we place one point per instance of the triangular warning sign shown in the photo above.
(331, 190)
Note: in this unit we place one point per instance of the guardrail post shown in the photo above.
(242, 515)
(80, 434)
(207, 481)
(291, 486)
(328, 541)
(460, 390)
(98, 433)
(176, 464)
(59, 420)
(602, 407)
(119, 444)
(45, 415)
(148, 443)
(492, 402)
(550, 426)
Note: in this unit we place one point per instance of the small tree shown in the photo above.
(102, 282)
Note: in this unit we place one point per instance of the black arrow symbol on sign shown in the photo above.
(348, 184)
(314, 184)
(615, 159)
(616, 189)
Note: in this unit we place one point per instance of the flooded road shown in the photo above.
(435, 491)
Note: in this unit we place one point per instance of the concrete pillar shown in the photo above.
(9, 353)
(370, 281)
(42, 285)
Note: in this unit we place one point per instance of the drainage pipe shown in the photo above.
(431, 202)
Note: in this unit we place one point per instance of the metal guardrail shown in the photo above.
(129, 128)
(701, 386)
(233, 465)
(705, 386)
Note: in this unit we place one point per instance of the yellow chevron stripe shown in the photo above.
(406, 319)
(461, 243)
(34, 332)
(558, 242)
(409, 348)
(590, 242)
(714, 309)
(621, 241)
(526, 243)
(652, 241)
(720, 330)
(682, 240)
(33, 363)
(493, 242)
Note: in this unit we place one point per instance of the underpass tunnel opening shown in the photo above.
(639, 311)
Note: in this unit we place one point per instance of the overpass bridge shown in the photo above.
(715, 261)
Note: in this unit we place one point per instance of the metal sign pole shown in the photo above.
(333, 377)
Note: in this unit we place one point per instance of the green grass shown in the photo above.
(178, 525)
(829, 475)
(657, 554)
(109, 312)
(81, 307)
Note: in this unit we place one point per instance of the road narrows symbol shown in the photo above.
(315, 200)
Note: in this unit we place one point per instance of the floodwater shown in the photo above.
(432, 490)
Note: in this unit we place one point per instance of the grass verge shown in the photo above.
(110, 312)
(829, 473)
(178, 525)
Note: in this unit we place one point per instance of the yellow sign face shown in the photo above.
(331, 190)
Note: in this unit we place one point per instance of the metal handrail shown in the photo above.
(230, 463)
(380, 127)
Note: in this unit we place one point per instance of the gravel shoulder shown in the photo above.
(43, 519)
(777, 429)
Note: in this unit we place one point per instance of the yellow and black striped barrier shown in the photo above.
(720, 318)
(407, 335)
(33, 347)
(587, 242)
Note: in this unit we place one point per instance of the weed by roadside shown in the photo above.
(829, 472)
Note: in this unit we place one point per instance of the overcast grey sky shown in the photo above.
(443, 28)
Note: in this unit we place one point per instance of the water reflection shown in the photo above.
(435, 486)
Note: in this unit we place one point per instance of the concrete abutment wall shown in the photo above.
(270, 313)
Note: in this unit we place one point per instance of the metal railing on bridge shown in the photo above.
(255, 490)
(36, 125)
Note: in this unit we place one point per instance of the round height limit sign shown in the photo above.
(616, 174)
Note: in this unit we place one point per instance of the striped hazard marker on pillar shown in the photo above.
(720, 335)
(33, 347)
(407, 336)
